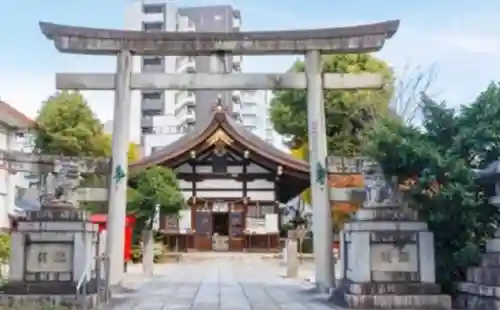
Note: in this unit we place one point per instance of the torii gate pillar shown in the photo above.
(322, 218)
(117, 206)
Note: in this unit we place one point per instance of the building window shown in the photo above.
(147, 130)
(152, 95)
(151, 112)
(152, 61)
(153, 8)
(153, 26)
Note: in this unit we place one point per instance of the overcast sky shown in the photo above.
(461, 38)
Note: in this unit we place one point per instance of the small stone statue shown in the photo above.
(60, 186)
(379, 190)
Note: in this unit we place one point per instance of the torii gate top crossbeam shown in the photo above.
(94, 41)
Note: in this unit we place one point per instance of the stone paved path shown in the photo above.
(222, 283)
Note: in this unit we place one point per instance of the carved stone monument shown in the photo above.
(52, 250)
(481, 291)
(387, 254)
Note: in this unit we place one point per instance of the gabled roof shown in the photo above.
(220, 119)
(13, 118)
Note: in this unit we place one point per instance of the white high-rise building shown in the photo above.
(167, 115)
(254, 112)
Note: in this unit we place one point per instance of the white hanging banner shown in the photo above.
(156, 219)
(271, 223)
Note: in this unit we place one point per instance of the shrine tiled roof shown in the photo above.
(220, 119)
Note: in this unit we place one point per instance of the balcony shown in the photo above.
(249, 107)
(237, 107)
(185, 64)
(237, 117)
(249, 119)
(183, 98)
(236, 96)
(152, 104)
(186, 116)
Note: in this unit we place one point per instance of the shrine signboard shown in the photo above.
(49, 262)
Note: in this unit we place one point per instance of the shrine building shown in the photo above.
(233, 182)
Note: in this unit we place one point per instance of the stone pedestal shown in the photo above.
(50, 252)
(388, 255)
(481, 291)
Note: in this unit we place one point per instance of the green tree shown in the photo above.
(151, 190)
(150, 187)
(436, 163)
(347, 112)
(68, 126)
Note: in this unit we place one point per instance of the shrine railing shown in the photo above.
(101, 281)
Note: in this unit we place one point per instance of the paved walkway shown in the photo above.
(222, 283)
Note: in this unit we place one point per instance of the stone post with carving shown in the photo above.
(52, 251)
(389, 253)
(346, 186)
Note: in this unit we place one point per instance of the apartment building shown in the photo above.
(167, 115)
(254, 114)
(13, 137)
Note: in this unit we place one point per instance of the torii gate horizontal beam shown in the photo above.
(211, 81)
(16, 161)
(83, 194)
(94, 41)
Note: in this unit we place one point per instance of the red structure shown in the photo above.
(101, 220)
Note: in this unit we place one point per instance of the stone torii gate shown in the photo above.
(311, 43)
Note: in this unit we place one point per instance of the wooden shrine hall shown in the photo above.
(233, 182)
